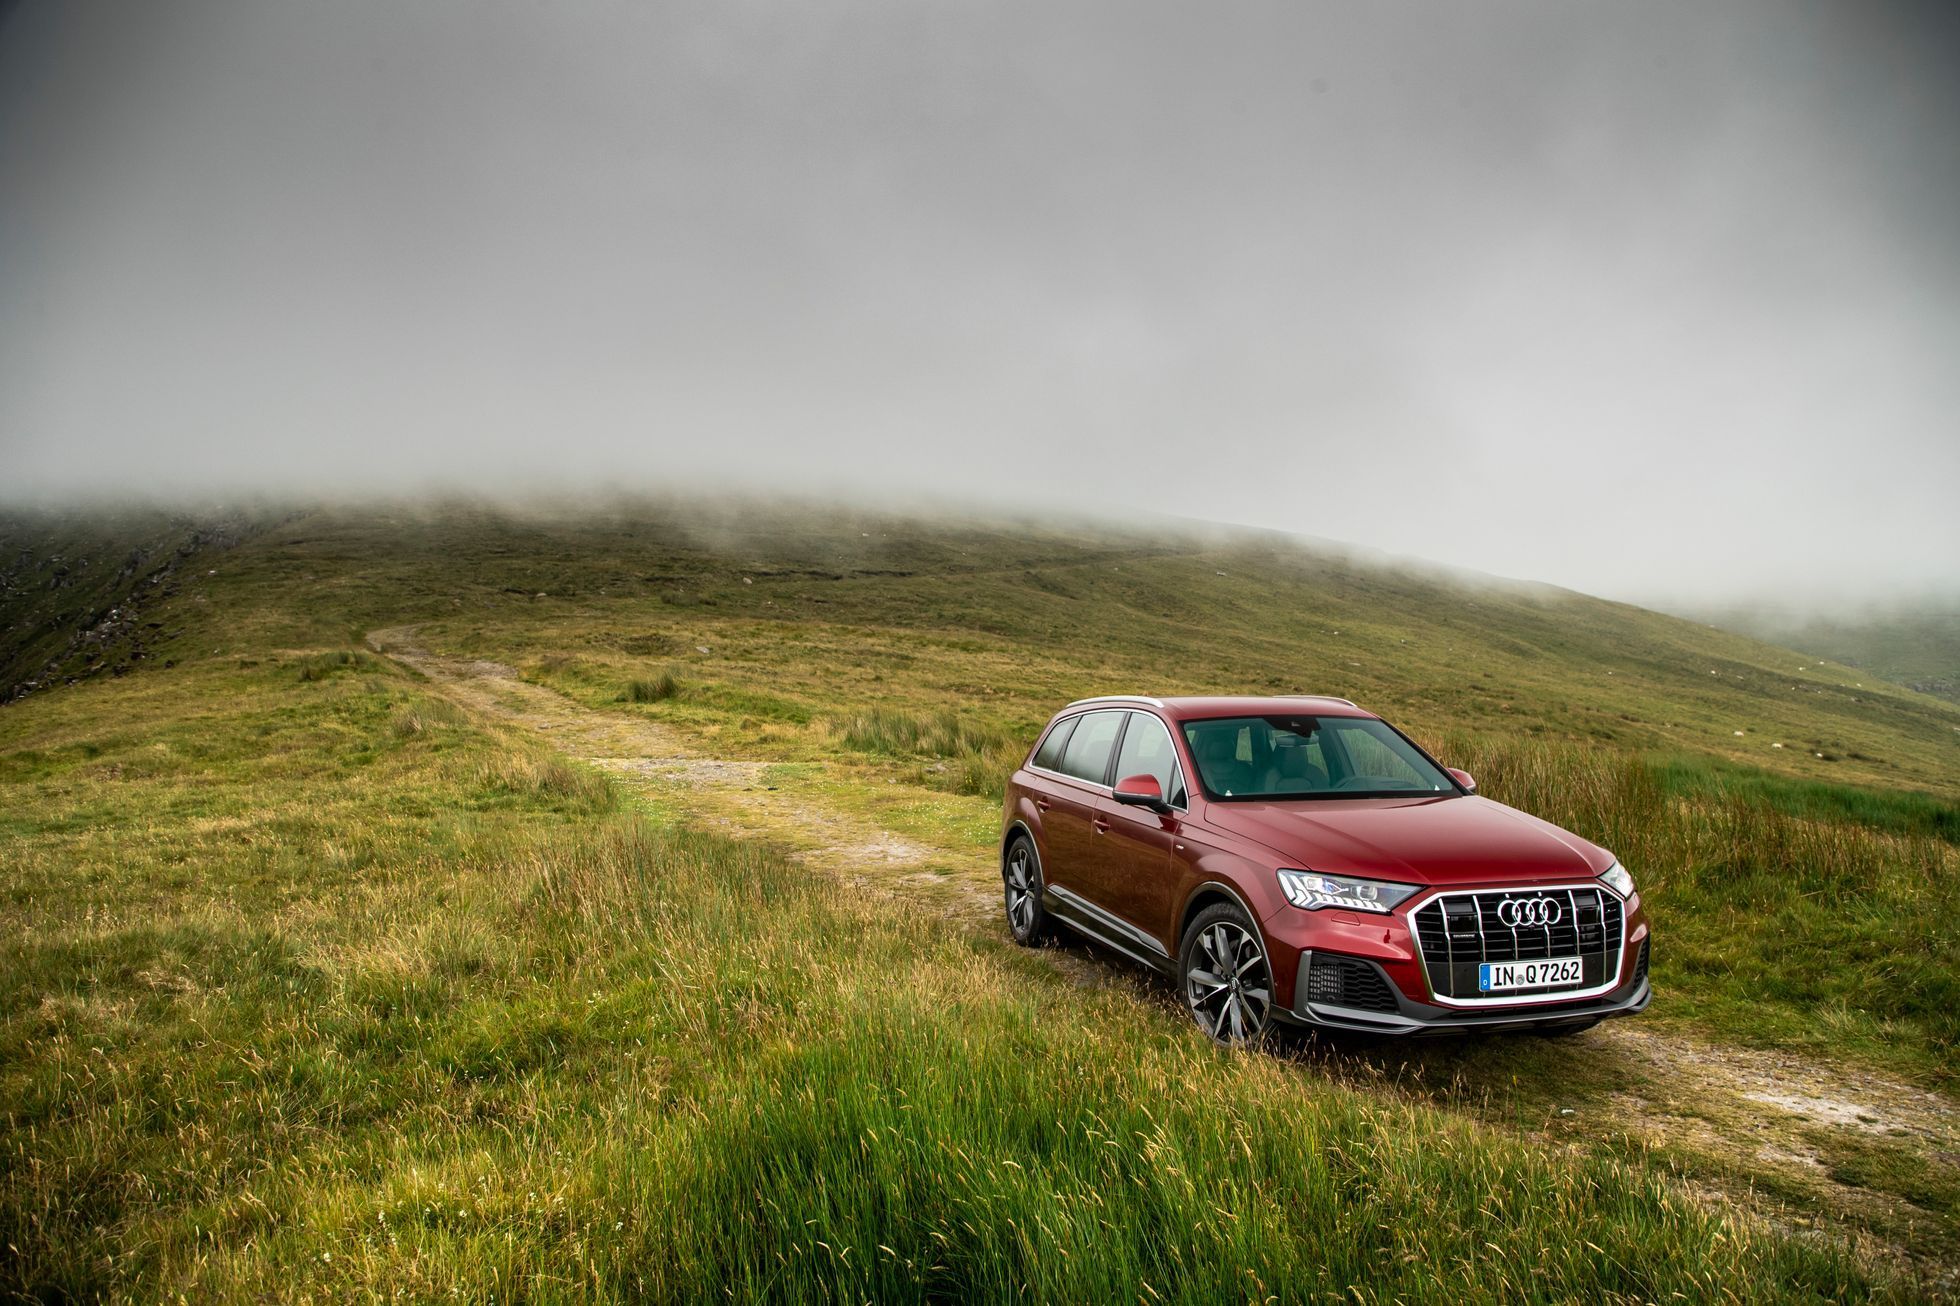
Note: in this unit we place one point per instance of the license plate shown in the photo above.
(1495, 976)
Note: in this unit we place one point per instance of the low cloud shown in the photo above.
(1655, 301)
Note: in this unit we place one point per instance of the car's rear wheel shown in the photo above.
(1020, 872)
(1223, 971)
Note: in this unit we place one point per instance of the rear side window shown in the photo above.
(1087, 755)
(1147, 750)
(1049, 756)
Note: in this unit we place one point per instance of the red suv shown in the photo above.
(1301, 860)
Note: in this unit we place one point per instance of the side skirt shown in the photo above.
(1112, 931)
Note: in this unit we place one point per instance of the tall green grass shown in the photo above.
(529, 773)
(651, 689)
(672, 1067)
(388, 1040)
(961, 754)
(318, 666)
(1894, 811)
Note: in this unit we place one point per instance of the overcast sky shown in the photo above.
(1651, 300)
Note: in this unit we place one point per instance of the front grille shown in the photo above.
(1460, 931)
(1348, 982)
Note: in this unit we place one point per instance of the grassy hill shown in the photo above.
(1052, 613)
(1918, 646)
(618, 923)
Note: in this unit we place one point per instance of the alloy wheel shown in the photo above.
(1021, 890)
(1227, 985)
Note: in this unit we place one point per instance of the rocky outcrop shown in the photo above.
(86, 596)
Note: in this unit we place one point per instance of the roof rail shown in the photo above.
(1114, 698)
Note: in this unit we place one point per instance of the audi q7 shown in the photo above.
(1300, 860)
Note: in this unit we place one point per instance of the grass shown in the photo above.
(952, 751)
(1894, 811)
(313, 985)
(535, 775)
(318, 666)
(651, 689)
(450, 1030)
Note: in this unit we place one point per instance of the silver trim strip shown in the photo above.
(1114, 698)
(1072, 779)
(1105, 918)
(1109, 791)
(1382, 1022)
(1524, 1000)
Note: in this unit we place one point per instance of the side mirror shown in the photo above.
(1464, 778)
(1141, 791)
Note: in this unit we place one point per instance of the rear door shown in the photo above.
(1137, 879)
(1080, 782)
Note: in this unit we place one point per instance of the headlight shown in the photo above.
(1308, 890)
(1618, 880)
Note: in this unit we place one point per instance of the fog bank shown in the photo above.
(1656, 301)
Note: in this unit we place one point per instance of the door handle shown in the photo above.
(1041, 804)
(1101, 826)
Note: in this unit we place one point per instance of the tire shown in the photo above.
(1020, 874)
(1225, 977)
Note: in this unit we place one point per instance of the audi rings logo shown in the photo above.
(1530, 911)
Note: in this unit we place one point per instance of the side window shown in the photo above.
(1049, 755)
(1147, 751)
(1087, 755)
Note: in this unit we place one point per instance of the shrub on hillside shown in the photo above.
(318, 666)
(550, 779)
(657, 689)
(970, 757)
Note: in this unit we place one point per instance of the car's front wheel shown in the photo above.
(1223, 971)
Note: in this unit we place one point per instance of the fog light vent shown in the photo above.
(1348, 982)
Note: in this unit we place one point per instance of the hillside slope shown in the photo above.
(1052, 613)
(1918, 647)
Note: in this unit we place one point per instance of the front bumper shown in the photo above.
(1403, 1002)
(1424, 1018)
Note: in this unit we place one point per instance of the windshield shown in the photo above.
(1309, 757)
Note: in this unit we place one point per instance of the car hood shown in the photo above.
(1452, 840)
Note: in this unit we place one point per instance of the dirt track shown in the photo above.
(731, 794)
